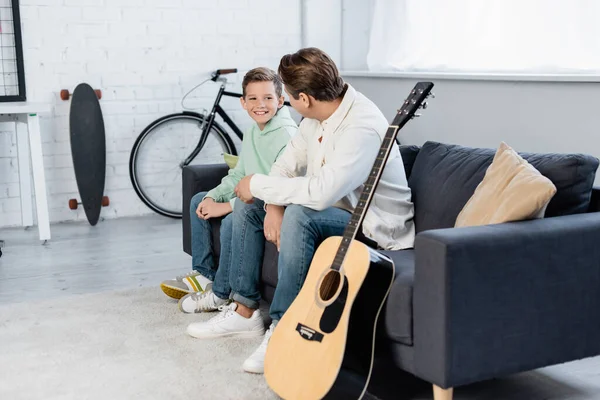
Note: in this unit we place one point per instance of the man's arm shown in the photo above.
(344, 170)
(292, 160)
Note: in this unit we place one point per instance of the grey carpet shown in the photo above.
(118, 345)
(132, 345)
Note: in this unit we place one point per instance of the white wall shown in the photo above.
(340, 28)
(528, 115)
(144, 55)
(356, 28)
(322, 26)
(557, 117)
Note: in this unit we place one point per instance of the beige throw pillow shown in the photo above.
(512, 190)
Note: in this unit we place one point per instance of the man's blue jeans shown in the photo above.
(302, 231)
(203, 259)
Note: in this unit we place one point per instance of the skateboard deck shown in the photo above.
(88, 150)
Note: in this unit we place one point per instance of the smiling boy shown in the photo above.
(206, 287)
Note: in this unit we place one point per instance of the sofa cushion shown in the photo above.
(398, 309)
(409, 155)
(511, 190)
(445, 176)
(230, 160)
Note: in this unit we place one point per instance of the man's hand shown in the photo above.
(242, 190)
(209, 208)
(272, 224)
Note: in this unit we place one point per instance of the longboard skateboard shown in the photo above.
(88, 149)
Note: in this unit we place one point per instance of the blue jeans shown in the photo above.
(302, 231)
(203, 258)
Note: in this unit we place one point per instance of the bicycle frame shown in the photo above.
(208, 123)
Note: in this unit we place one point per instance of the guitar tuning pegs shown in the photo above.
(424, 105)
(431, 94)
(416, 115)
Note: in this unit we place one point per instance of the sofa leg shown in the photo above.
(441, 394)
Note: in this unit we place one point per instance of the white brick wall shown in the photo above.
(144, 55)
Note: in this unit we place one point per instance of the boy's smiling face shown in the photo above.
(261, 102)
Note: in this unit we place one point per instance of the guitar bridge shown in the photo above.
(309, 333)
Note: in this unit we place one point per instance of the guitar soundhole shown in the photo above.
(330, 285)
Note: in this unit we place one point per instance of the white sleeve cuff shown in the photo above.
(256, 185)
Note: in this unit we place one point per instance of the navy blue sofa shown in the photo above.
(470, 304)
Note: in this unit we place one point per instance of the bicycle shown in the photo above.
(151, 172)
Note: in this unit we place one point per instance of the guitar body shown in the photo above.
(330, 326)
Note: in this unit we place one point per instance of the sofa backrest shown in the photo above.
(409, 155)
(443, 177)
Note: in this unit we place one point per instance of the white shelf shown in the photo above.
(24, 108)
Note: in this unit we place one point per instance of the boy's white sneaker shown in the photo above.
(256, 362)
(228, 323)
(201, 302)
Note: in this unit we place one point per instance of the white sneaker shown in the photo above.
(228, 323)
(201, 302)
(256, 362)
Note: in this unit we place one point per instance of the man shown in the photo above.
(309, 195)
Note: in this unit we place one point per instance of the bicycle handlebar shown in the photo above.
(226, 71)
(219, 72)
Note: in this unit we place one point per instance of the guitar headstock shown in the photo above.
(413, 102)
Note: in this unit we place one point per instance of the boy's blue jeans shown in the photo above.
(202, 249)
(302, 231)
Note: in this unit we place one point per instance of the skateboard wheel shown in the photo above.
(98, 93)
(105, 201)
(64, 94)
(73, 204)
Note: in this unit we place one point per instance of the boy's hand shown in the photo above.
(208, 208)
(200, 208)
(242, 190)
(272, 224)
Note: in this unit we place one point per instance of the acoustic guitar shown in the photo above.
(331, 325)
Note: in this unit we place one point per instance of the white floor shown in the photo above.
(115, 254)
(131, 256)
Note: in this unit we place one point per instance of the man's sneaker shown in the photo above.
(228, 323)
(189, 283)
(256, 362)
(201, 301)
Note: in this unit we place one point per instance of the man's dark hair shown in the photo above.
(313, 72)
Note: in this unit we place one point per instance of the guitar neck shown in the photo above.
(365, 197)
(405, 113)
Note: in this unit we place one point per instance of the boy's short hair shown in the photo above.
(262, 74)
(313, 72)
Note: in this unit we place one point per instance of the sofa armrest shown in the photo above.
(500, 299)
(195, 179)
(595, 199)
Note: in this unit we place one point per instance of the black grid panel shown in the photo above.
(12, 80)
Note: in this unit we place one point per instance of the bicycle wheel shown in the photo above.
(157, 157)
